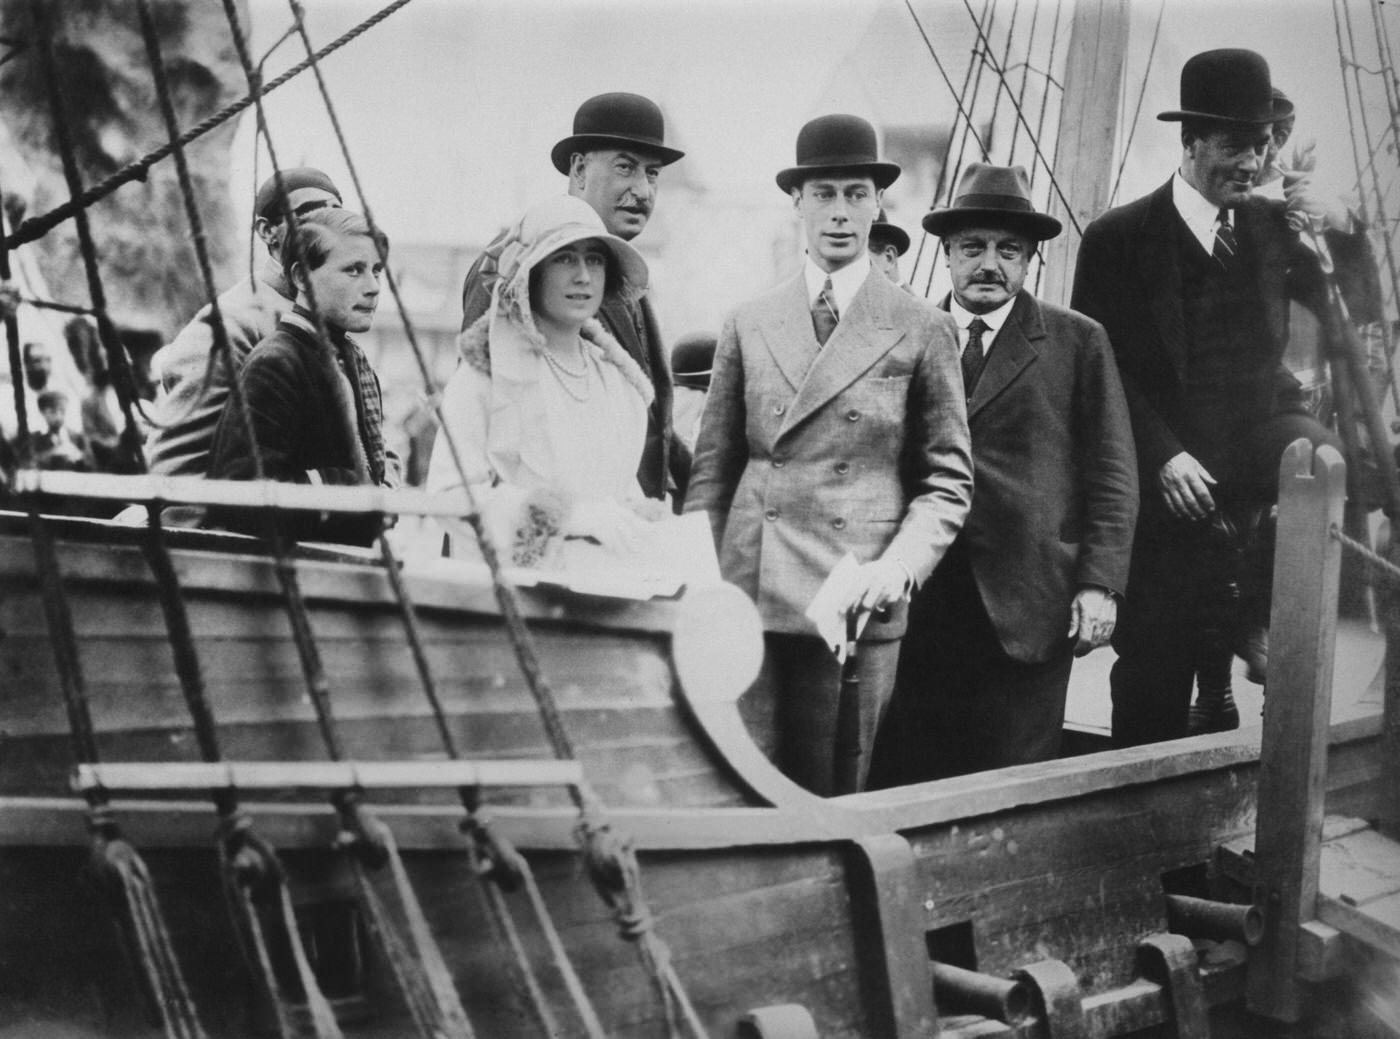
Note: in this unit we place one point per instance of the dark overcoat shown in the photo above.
(1056, 491)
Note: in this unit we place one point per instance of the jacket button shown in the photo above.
(839, 523)
(778, 409)
(770, 514)
(778, 463)
(852, 415)
(843, 468)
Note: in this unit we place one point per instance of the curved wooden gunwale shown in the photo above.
(765, 894)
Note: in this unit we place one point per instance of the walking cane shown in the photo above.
(846, 771)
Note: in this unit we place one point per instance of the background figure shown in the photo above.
(1034, 576)
(192, 388)
(1193, 284)
(55, 446)
(314, 409)
(546, 409)
(613, 160)
(888, 242)
(692, 358)
(835, 425)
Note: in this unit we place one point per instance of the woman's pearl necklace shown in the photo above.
(560, 370)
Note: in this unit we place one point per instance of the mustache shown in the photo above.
(635, 204)
(988, 279)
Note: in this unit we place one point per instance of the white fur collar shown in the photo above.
(474, 347)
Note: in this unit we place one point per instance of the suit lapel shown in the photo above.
(863, 335)
(1161, 274)
(789, 336)
(1012, 351)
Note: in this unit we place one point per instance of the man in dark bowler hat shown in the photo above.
(888, 242)
(835, 425)
(1035, 576)
(1193, 284)
(692, 360)
(613, 160)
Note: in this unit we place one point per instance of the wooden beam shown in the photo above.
(1084, 144)
(323, 775)
(1293, 762)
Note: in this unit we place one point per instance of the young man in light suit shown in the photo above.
(835, 424)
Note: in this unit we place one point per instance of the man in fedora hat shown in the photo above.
(888, 242)
(1034, 577)
(835, 426)
(613, 160)
(1193, 284)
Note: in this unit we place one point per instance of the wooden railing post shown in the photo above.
(1297, 715)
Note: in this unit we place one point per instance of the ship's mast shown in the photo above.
(1084, 143)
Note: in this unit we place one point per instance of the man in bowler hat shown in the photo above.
(1193, 284)
(835, 425)
(888, 242)
(613, 160)
(1035, 576)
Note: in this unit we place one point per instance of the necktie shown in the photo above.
(1226, 245)
(824, 314)
(973, 355)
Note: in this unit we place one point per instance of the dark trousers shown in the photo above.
(1171, 582)
(806, 680)
(960, 703)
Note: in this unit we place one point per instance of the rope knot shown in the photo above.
(497, 858)
(360, 833)
(245, 855)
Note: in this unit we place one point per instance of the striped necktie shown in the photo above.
(1226, 245)
(824, 313)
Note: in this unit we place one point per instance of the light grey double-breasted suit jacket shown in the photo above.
(809, 452)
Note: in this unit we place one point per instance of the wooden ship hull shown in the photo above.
(1091, 896)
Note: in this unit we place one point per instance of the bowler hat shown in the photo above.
(1229, 85)
(268, 203)
(692, 358)
(616, 120)
(882, 233)
(837, 143)
(995, 196)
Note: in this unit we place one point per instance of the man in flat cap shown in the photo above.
(192, 392)
(1035, 576)
(835, 425)
(613, 160)
(1193, 284)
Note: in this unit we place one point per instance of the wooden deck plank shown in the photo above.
(1377, 923)
(1359, 868)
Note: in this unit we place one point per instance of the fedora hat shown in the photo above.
(616, 120)
(882, 232)
(997, 196)
(1229, 85)
(837, 143)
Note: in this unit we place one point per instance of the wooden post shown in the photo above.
(1297, 716)
(1084, 144)
(1388, 816)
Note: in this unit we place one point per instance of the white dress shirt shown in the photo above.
(1199, 212)
(845, 283)
(993, 320)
